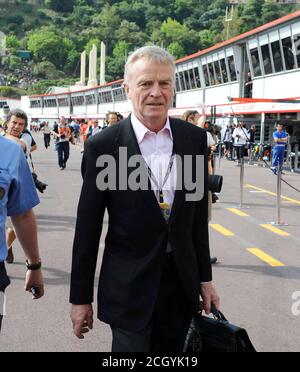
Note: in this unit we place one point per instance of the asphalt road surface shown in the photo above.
(257, 276)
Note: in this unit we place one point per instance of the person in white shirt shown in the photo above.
(241, 139)
(47, 134)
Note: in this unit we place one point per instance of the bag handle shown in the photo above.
(218, 314)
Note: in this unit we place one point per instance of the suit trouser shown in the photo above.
(170, 320)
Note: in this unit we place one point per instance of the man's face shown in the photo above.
(95, 124)
(16, 126)
(112, 119)
(280, 128)
(150, 88)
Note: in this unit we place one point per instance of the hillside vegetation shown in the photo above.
(57, 31)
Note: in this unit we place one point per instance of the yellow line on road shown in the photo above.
(265, 257)
(238, 212)
(273, 194)
(222, 230)
(275, 230)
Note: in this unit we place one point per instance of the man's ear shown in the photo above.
(127, 90)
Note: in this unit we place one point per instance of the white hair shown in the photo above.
(152, 53)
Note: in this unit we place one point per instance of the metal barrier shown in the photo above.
(279, 222)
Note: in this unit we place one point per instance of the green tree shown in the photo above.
(12, 42)
(206, 39)
(176, 50)
(116, 63)
(271, 10)
(60, 5)
(15, 62)
(173, 31)
(46, 45)
(46, 70)
(251, 14)
(105, 25)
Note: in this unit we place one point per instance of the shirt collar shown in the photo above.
(140, 130)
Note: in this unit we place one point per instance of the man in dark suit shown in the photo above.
(156, 261)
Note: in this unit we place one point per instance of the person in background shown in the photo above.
(18, 197)
(280, 138)
(16, 130)
(241, 139)
(251, 134)
(47, 134)
(111, 119)
(63, 136)
(93, 129)
(228, 141)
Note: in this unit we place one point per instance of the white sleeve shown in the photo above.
(26, 138)
(210, 140)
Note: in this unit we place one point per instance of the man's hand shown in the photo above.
(82, 319)
(34, 278)
(209, 295)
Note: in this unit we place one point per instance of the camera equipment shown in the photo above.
(41, 186)
(215, 183)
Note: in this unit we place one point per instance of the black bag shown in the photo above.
(211, 335)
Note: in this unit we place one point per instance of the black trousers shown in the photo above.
(170, 321)
(4, 283)
(47, 140)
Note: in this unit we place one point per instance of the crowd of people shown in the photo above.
(21, 77)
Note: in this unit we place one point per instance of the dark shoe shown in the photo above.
(10, 256)
(213, 260)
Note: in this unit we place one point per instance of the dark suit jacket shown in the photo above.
(137, 237)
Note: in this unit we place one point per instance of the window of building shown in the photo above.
(119, 95)
(206, 75)
(2, 104)
(288, 53)
(197, 77)
(297, 48)
(187, 80)
(177, 84)
(63, 102)
(232, 69)
(266, 59)
(33, 104)
(78, 101)
(224, 70)
(212, 73)
(277, 58)
(90, 99)
(50, 103)
(218, 73)
(255, 62)
(105, 97)
(192, 78)
(182, 81)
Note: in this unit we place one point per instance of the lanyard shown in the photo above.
(152, 177)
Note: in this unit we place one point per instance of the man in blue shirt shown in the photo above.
(17, 198)
(280, 138)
